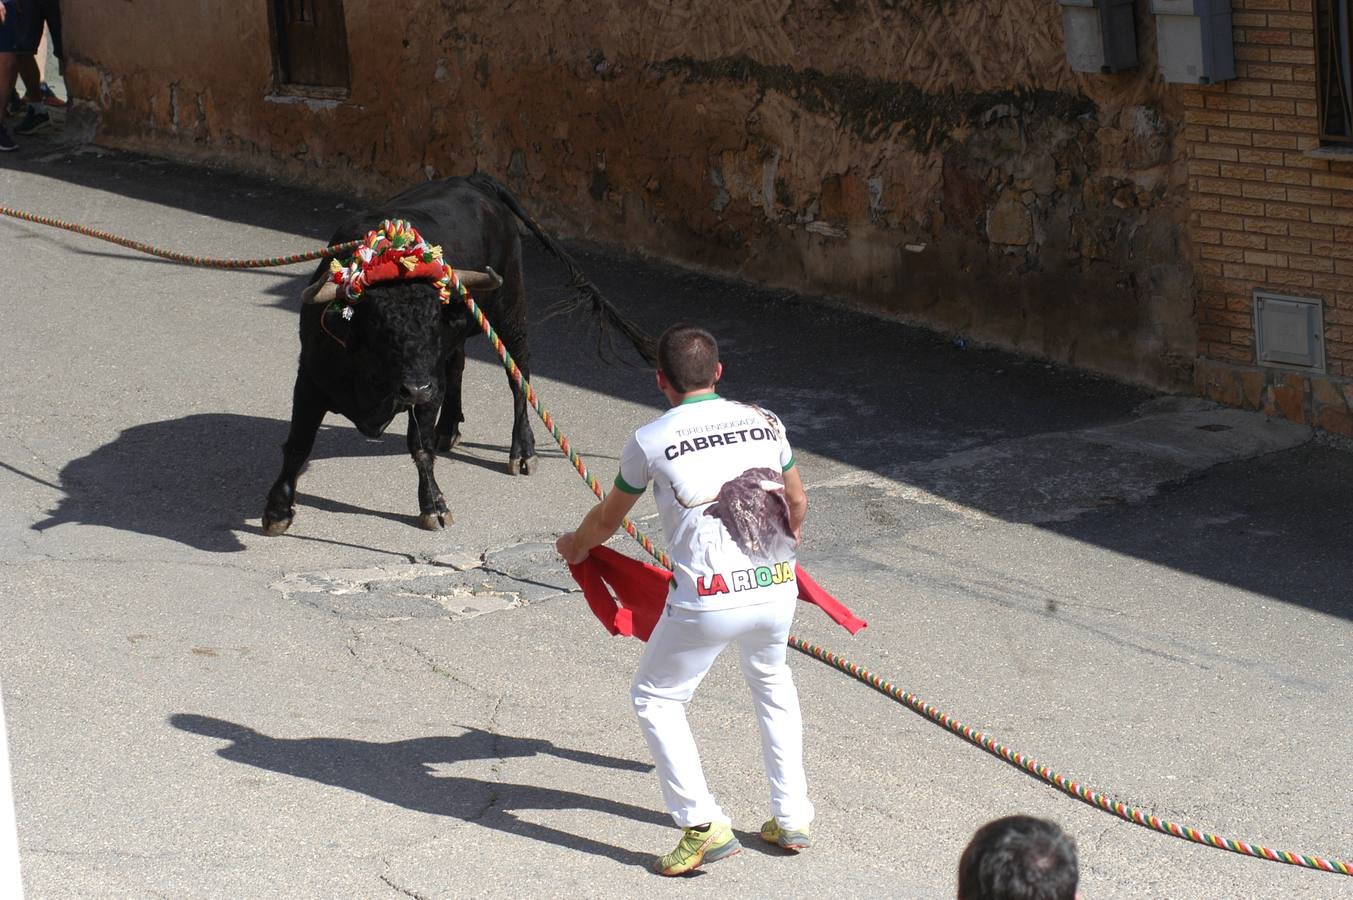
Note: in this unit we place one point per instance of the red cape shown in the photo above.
(628, 595)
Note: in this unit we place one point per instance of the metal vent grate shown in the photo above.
(1289, 331)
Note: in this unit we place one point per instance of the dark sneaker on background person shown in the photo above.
(6, 142)
(35, 120)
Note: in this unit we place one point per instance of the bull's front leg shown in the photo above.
(432, 510)
(307, 411)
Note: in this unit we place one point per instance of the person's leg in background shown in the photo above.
(11, 45)
(9, 73)
(34, 71)
(31, 44)
(35, 118)
(30, 73)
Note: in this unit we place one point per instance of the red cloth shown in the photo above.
(388, 268)
(628, 595)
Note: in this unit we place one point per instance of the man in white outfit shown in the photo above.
(731, 503)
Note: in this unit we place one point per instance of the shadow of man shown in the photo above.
(403, 773)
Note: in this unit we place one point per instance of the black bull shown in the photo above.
(403, 350)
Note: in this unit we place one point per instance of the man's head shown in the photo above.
(1018, 858)
(688, 358)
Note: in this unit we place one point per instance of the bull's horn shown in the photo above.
(324, 290)
(487, 280)
(320, 291)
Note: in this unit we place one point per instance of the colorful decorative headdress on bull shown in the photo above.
(393, 252)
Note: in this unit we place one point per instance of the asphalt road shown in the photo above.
(1146, 594)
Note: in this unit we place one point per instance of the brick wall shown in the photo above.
(1265, 213)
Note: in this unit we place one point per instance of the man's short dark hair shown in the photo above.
(688, 356)
(1018, 858)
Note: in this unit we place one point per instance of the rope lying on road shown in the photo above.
(205, 262)
(1075, 789)
(916, 704)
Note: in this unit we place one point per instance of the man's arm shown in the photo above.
(599, 524)
(797, 498)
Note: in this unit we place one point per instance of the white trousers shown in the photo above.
(684, 645)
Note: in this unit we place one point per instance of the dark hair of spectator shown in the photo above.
(687, 357)
(1018, 858)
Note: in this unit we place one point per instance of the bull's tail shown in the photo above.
(587, 296)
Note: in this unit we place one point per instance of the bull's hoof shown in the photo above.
(526, 466)
(447, 442)
(273, 527)
(434, 521)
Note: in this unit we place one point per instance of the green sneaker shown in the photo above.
(697, 846)
(795, 840)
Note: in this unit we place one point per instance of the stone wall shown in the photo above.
(1269, 209)
(933, 160)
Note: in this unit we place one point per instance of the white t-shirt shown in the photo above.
(717, 469)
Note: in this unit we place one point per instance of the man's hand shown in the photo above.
(598, 524)
(568, 550)
(2, 12)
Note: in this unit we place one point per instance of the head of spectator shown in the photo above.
(1018, 858)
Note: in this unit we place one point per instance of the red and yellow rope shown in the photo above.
(514, 372)
(205, 262)
(1075, 789)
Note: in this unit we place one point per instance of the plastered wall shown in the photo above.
(933, 160)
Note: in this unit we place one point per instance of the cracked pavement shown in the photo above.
(508, 578)
(1147, 594)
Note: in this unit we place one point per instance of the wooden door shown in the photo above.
(312, 42)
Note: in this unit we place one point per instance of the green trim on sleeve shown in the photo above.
(789, 465)
(628, 488)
